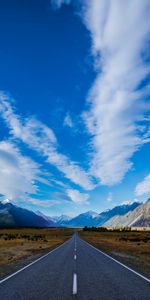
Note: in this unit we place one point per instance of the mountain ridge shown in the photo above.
(15, 216)
(130, 214)
(139, 217)
(86, 219)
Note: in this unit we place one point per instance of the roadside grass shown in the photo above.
(22, 245)
(131, 248)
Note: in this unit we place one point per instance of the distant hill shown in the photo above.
(139, 217)
(14, 216)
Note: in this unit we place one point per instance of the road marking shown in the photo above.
(75, 257)
(32, 263)
(74, 289)
(118, 262)
(75, 249)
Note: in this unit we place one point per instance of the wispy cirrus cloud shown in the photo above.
(143, 187)
(58, 3)
(41, 138)
(109, 197)
(118, 98)
(43, 203)
(18, 173)
(116, 101)
(68, 122)
(77, 197)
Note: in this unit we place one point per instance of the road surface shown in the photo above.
(75, 270)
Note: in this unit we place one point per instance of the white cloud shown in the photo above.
(120, 42)
(77, 197)
(43, 203)
(44, 180)
(68, 121)
(109, 198)
(18, 173)
(41, 138)
(59, 3)
(129, 202)
(59, 183)
(143, 187)
(119, 34)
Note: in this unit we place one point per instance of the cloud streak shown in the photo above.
(41, 138)
(118, 98)
(18, 173)
(143, 187)
(68, 121)
(77, 197)
(119, 34)
(43, 203)
(58, 3)
(117, 105)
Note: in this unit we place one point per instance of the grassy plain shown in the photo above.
(22, 245)
(131, 248)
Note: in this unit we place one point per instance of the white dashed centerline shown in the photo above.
(74, 289)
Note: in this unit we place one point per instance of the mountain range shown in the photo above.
(139, 217)
(91, 218)
(14, 216)
(129, 214)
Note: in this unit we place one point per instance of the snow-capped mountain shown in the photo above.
(133, 214)
(14, 216)
(47, 218)
(61, 220)
(116, 211)
(85, 219)
(140, 216)
(91, 218)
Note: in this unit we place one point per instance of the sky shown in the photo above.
(74, 104)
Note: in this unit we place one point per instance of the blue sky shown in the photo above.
(74, 104)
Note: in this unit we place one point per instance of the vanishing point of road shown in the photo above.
(75, 270)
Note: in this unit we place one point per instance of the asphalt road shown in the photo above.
(75, 270)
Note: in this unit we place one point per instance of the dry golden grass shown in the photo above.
(132, 248)
(16, 244)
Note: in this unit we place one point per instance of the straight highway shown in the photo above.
(75, 270)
